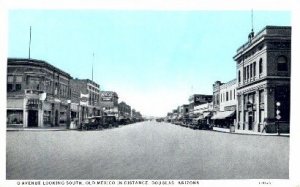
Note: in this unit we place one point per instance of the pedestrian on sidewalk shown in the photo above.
(264, 126)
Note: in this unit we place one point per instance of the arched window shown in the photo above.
(260, 65)
(282, 63)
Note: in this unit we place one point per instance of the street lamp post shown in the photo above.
(69, 114)
(278, 117)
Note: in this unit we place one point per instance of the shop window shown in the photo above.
(47, 117)
(14, 117)
(282, 63)
(261, 96)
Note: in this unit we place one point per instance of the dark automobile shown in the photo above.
(200, 124)
(94, 122)
(109, 122)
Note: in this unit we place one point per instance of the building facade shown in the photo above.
(216, 95)
(227, 96)
(38, 94)
(263, 79)
(109, 102)
(85, 99)
(183, 111)
(224, 103)
(136, 115)
(124, 110)
(198, 99)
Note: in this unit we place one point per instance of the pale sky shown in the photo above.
(153, 59)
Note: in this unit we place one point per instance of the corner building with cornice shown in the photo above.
(263, 79)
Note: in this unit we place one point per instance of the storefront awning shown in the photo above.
(15, 104)
(200, 117)
(207, 114)
(74, 107)
(223, 115)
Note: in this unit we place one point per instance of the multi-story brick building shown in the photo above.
(263, 78)
(37, 94)
(85, 97)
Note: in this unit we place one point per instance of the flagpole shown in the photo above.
(29, 43)
(93, 67)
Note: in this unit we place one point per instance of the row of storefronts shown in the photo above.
(41, 95)
(258, 99)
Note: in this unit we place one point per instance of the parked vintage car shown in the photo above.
(94, 122)
(200, 124)
(109, 121)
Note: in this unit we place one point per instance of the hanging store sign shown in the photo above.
(84, 99)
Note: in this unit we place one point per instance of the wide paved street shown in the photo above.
(146, 150)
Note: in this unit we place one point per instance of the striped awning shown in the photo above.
(223, 115)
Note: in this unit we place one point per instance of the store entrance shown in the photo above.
(250, 121)
(32, 118)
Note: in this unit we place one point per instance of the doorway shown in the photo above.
(250, 122)
(32, 118)
(56, 118)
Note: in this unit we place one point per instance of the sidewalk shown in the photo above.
(37, 129)
(246, 132)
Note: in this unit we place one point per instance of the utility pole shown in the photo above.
(252, 19)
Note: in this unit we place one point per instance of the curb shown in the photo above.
(265, 134)
(24, 129)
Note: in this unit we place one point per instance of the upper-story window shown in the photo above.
(282, 63)
(19, 79)
(227, 96)
(254, 69)
(234, 94)
(260, 65)
(14, 83)
(239, 76)
(10, 80)
(248, 73)
(251, 66)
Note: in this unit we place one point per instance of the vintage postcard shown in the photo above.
(149, 94)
